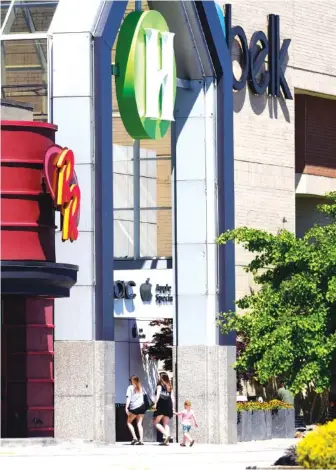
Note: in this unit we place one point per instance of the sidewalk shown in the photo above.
(149, 457)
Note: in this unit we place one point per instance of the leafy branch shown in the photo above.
(288, 323)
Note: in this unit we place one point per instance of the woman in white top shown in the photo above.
(135, 408)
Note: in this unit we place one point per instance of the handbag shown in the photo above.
(147, 401)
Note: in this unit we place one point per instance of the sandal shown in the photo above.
(139, 443)
(134, 441)
(192, 443)
(166, 440)
(182, 445)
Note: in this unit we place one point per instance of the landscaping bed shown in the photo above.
(260, 421)
(316, 450)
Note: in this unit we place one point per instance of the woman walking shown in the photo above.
(164, 407)
(135, 408)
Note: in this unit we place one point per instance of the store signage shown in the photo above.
(146, 78)
(146, 291)
(259, 78)
(163, 294)
(63, 186)
(124, 290)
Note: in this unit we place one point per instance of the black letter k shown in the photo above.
(283, 82)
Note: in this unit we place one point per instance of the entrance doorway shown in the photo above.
(27, 371)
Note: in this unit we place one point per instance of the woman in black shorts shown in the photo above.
(164, 406)
(135, 408)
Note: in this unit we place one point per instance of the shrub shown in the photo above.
(318, 448)
(289, 459)
(266, 405)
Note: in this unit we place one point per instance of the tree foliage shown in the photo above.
(161, 347)
(289, 321)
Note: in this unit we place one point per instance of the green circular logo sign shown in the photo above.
(146, 82)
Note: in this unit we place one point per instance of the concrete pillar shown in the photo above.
(204, 372)
(84, 325)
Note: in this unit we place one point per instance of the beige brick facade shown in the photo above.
(264, 128)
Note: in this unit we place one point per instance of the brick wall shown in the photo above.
(164, 217)
(264, 128)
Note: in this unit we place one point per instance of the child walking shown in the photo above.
(188, 417)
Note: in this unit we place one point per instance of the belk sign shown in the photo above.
(254, 54)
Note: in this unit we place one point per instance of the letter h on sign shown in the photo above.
(159, 78)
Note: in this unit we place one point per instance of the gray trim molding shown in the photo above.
(106, 32)
(221, 57)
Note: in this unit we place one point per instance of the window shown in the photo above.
(24, 55)
(25, 75)
(142, 201)
(25, 16)
(142, 190)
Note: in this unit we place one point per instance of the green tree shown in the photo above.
(288, 322)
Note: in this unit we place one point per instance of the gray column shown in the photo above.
(204, 372)
(84, 390)
(84, 329)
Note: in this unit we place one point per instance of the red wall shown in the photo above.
(27, 215)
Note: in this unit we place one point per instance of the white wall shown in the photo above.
(72, 99)
(307, 214)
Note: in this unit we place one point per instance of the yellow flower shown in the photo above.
(318, 448)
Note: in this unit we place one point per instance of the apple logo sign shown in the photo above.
(146, 291)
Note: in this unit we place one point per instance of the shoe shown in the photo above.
(134, 441)
(182, 445)
(192, 443)
(166, 440)
(139, 443)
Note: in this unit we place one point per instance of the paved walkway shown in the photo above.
(75, 455)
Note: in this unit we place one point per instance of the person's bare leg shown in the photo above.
(159, 426)
(166, 428)
(188, 436)
(184, 440)
(130, 419)
(139, 420)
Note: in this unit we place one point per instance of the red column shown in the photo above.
(27, 215)
(27, 234)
